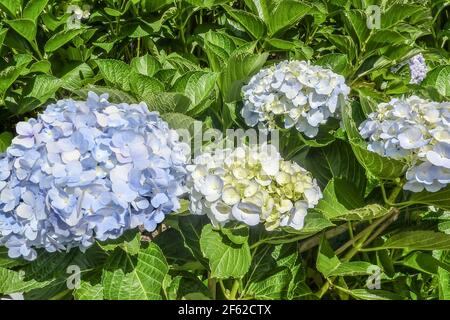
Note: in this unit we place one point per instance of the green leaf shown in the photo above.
(253, 24)
(438, 78)
(87, 291)
(115, 95)
(139, 277)
(7, 262)
(5, 140)
(368, 212)
(142, 85)
(238, 70)
(179, 120)
(165, 102)
(237, 234)
(115, 72)
(11, 6)
(327, 261)
(3, 33)
(424, 262)
(418, 240)
(334, 161)
(197, 86)
(356, 25)
(365, 294)
(33, 9)
(352, 268)
(275, 286)
(440, 199)
(183, 287)
(41, 88)
(206, 3)
(337, 62)
(14, 281)
(25, 27)
(191, 229)
(77, 76)
(286, 15)
(339, 197)
(130, 242)
(226, 259)
(146, 65)
(43, 66)
(61, 38)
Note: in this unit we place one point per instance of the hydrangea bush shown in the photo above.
(302, 95)
(252, 185)
(114, 184)
(87, 170)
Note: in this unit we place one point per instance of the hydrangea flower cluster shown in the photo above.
(252, 185)
(87, 170)
(296, 92)
(418, 69)
(416, 131)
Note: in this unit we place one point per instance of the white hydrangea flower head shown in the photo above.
(416, 131)
(253, 185)
(296, 92)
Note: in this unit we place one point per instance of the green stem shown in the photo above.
(60, 295)
(224, 290)
(212, 285)
(234, 290)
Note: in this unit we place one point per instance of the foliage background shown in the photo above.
(188, 59)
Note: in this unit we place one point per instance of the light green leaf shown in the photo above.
(146, 65)
(440, 199)
(139, 277)
(365, 294)
(352, 268)
(226, 259)
(253, 24)
(43, 66)
(5, 140)
(130, 242)
(275, 286)
(286, 15)
(339, 197)
(61, 38)
(337, 62)
(25, 27)
(11, 6)
(237, 72)
(14, 281)
(418, 240)
(116, 72)
(196, 85)
(87, 291)
(327, 261)
(142, 85)
(438, 78)
(34, 8)
(77, 76)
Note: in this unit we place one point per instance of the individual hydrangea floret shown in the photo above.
(86, 171)
(416, 131)
(252, 185)
(297, 93)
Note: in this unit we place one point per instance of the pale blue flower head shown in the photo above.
(417, 132)
(86, 171)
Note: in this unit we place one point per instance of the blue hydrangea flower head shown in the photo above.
(87, 170)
